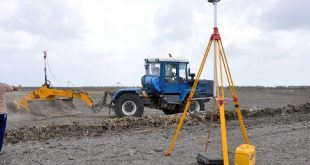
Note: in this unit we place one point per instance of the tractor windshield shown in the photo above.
(182, 72)
(152, 69)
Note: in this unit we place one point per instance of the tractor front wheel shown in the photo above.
(195, 106)
(129, 105)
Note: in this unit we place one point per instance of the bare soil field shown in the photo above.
(280, 132)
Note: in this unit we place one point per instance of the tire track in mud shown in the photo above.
(75, 129)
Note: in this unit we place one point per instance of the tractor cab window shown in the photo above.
(152, 69)
(182, 73)
(170, 73)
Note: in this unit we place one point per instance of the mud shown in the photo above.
(280, 132)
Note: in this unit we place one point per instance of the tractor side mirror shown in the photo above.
(192, 75)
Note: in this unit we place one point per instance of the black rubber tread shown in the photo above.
(129, 97)
(180, 109)
(202, 106)
(171, 111)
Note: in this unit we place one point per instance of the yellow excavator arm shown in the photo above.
(46, 93)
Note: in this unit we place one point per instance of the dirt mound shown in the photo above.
(53, 108)
(75, 129)
(41, 109)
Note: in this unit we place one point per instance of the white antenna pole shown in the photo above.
(215, 25)
(215, 14)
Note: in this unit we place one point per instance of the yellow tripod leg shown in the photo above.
(221, 102)
(233, 93)
(223, 133)
(244, 133)
(189, 99)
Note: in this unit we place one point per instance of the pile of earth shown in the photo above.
(44, 108)
(75, 129)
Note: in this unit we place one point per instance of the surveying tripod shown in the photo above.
(220, 66)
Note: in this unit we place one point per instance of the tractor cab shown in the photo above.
(165, 75)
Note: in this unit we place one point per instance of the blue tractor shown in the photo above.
(166, 85)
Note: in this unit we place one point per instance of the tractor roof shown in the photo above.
(166, 60)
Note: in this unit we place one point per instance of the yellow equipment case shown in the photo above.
(245, 154)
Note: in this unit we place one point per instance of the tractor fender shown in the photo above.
(125, 91)
(184, 94)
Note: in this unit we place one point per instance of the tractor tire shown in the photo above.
(129, 105)
(171, 111)
(195, 106)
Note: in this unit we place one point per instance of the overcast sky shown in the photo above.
(99, 43)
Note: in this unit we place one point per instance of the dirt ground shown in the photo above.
(280, 133)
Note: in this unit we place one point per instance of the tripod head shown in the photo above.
(213, 1)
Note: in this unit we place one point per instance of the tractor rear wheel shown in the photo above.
(129, 105)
